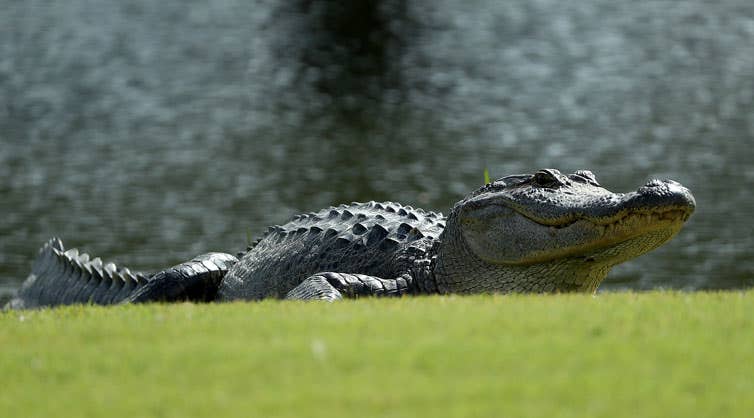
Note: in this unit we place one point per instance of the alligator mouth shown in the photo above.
(604, 233)
(641, 216)
(654, 203)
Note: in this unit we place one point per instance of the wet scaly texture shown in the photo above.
(541, 232)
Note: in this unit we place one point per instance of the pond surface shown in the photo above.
(148, 132)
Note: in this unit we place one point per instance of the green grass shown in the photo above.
(614, 355)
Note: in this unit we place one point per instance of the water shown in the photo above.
(148, 132)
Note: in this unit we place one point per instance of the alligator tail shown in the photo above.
(60, 277)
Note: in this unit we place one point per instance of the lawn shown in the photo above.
(612, 355)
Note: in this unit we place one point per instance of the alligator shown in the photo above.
(545, 232)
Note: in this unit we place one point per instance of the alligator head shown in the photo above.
(553, 232)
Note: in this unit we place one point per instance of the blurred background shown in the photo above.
(147, 132)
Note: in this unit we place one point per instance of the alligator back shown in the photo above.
(376, 239)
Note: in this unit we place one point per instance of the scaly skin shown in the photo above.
(545, 232)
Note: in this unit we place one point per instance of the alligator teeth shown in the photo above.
(637, 221)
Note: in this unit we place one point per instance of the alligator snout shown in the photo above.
(667, 193)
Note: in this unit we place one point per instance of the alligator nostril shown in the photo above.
(655, 183)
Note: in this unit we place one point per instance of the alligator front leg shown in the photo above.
(333, 286)
(196, 280)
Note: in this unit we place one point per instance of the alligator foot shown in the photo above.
(333, 286)
(196, 281)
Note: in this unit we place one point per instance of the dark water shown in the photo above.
(148, 132)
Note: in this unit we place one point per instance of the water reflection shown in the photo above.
(149, 132)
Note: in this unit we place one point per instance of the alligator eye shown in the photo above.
(548, 178)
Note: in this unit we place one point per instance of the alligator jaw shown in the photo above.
(657, 226)
(656, 211)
